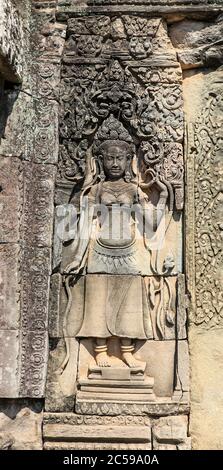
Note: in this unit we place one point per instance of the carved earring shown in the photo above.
(102, 175)
(128, 172)
(127, 176)
(101, 170)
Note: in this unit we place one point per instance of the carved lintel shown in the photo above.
(161, 7)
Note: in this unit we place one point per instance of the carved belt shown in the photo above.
(117, 256)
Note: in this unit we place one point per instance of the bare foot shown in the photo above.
(129, 359)
(102, 359)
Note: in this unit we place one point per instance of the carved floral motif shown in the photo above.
(208, 212)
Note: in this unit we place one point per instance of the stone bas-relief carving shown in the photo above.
(118, 281)
(118, 68)
(121, 291)
(205, 150)
(204, 210)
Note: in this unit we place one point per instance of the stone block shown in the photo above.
(195, 42)
(183, 364)
(10, 177)
(162, 407)
(9, 219)
(9, 358)
(48, 34)
(17, 122)
(20, 425)
(84, 433)
(61, 384)
(10, 199)
(11, 41)
(170, 432)
(206, 377)
(65, 446)
(88, 420)
(96, 432)
(45, 145)
(35, 278)
(162, 353)
(33, 363)
(37, 218)
(46, 76)
(9, 286)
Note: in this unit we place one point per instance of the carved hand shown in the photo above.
(161, 187)
(158, 182)
(73, 267)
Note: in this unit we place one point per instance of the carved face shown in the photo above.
(115, 159)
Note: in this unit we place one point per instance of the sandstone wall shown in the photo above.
(32, 39)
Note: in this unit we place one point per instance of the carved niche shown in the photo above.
(117, 320)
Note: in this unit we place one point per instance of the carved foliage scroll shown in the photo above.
(206, 152)
(126, 67)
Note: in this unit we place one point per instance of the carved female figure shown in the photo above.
(115, 300)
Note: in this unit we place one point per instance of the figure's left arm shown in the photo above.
(143, 200)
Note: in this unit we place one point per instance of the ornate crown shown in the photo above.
(112, 129)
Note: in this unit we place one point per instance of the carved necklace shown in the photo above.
(114, 189)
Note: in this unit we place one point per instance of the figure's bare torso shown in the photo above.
(116, 224)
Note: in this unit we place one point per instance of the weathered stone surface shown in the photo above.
(47, 33)
(197, 42)
(9, 359)
(33, 359)
(84, 433)
(61, 387)
(35, 271)
(161, 408)
(95, 446)
(45, 141)
(183, 365)
(9, 286)
(205, 198)
(204, 261)
(171, 433)
(10, 199)
(75, 419)
(62, 218)
(127, 432)
(37, 218)
(103, 107)
(17, 121)
(20, 425)
(76, 75)
(54, 305)
(11, 41)
(206, 370)
(107, 102)
(36, 268)
(173, 7)
(43, 85)
(182, 382)
(164, 374)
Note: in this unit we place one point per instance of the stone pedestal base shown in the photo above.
(115, 385)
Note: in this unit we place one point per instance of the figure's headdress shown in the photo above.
(113, 131)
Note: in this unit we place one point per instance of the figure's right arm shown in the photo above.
(84, 230)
